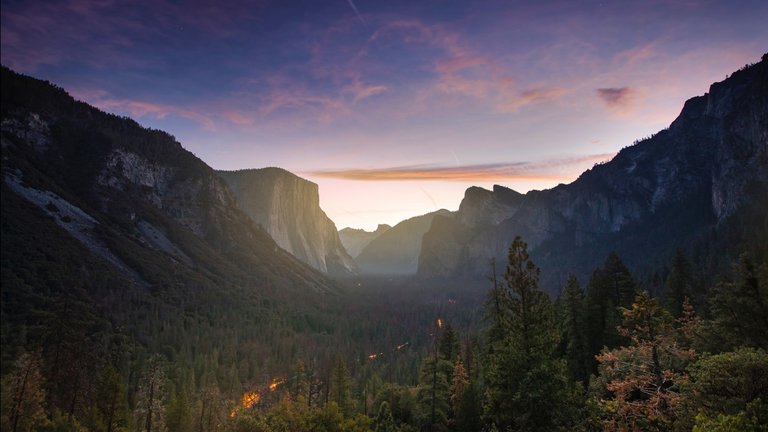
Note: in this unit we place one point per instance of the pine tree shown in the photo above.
(341, 387)
(23, 405)
(111, 402)
(679, 284)
(449, 344)
(458, 386)
(739, 308)
(620, 281)
(150, 397)
(299, 381)
(576, 351)
(384, 421)
(528, 388)
(434, 394)
(644, 378)
(495, 306)
(609, 288)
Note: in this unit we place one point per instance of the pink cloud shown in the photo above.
(138, 108)
(550, 170)
(532, 96)
(360, 91)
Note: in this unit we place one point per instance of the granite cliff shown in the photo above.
(288, 208)
(675, 189)
(149, 211)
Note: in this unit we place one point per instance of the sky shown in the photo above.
(394, 108)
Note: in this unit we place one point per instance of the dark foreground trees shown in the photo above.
(527, 385)
(597, 359)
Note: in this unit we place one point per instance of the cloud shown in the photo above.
(354, 8)
(531, 96)
(553, 169)
(359, 91)
(139, 108)
(618, 99)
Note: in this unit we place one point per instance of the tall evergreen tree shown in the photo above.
(151, 395)
(528, 388)
(23, 396)
(609, 287)
(739, 308)
(434, 394)
(619, 279)
(341, 387)
(679, 284)
(577, 350)
(459, 384)
(384, 421)
(299, 384)
(449, 344)
(111, 401)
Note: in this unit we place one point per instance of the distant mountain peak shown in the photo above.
(664, 191)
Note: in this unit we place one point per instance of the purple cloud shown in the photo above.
(618, 99)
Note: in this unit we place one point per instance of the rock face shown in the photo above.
(396, 251)
(666, 191)
(133, 197)
(355, 240)
(288, 208)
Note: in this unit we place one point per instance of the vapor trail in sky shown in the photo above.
(354, 8)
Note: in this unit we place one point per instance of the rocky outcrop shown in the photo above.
(396, 251)
(288, 208)
(662, 192)
(355, 240)
(136, 200)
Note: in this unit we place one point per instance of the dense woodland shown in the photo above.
(606, 356)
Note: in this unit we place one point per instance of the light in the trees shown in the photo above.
(275, 383)
(374, 356)
(250, 399)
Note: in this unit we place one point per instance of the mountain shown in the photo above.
(692, 185)
(97, 207)
(355, 240)
(396, 251)
(288, 208)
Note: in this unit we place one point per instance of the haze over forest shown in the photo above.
(363, 216)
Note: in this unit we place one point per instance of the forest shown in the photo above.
(613, 355)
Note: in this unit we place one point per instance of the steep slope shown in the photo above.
(675, 189)
(133, 197)
(355, 240)
(288, 208)
(396, 251)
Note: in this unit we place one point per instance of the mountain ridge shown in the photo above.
(142, 189)
(355, 240)
(396, 250)
(676, 186)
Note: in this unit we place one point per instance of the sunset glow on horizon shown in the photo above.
(393, 108)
